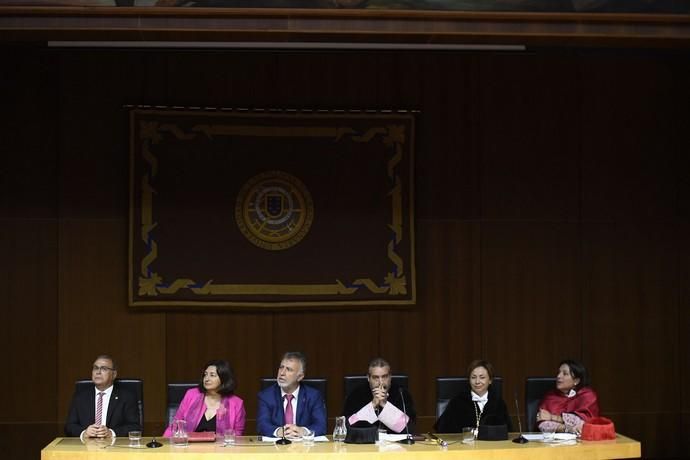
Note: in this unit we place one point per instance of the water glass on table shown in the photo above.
(549, 431)
(468, 435)
(134, 438)
(229, 437)
(308, 439)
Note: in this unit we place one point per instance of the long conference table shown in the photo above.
(250, 448)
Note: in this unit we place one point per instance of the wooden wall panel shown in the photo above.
(531, 312)
(630, 151)
(94, 317)
(552, 210)
(28, 176)
(447, 159)
(684, 331)
(528, 137)
(93, 148)
(439, 335)
(28, 293)
(626, 261)
(25, 440)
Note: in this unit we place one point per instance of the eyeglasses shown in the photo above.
(102, 368)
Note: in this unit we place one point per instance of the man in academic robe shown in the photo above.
(381, 402)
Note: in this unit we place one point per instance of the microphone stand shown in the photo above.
(520, 439)
(153, 444)
(283, 441)
(409, 439)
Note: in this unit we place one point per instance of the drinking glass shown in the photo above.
(468, 435)
(229, 437)
(134, 438)
(308, 439)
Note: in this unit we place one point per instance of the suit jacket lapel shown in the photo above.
(279, 405)
(91, 405)
(301, 404)
(112, 405)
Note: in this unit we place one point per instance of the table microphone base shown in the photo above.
(154, 444)
(407, 440)
(283, 442)
(520, 440)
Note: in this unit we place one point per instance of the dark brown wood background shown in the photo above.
(552, 205)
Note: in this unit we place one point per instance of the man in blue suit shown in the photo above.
(288, 408)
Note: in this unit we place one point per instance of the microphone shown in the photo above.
(409, 439)
(520, 439)
(283, 441)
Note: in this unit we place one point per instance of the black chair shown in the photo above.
(176, 392)
(353, 381)
(318, 383)
(134, 386)
(448, 387)
(535, 387)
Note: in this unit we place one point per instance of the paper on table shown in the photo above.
(557, 436)
(271, 439)
(391, 437)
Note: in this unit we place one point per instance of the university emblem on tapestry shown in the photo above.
(274, 210)
(271, 209)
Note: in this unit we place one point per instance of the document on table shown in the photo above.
(271, 439)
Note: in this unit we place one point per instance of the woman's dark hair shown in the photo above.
(481, 363)
(578, 371)
(225, 374)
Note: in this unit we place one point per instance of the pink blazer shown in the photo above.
(230, 414)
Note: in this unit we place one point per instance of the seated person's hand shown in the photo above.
(543, 415)
(292, 431)
(98, 431)
(380, 396)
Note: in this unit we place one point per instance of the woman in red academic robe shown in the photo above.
(572, 403)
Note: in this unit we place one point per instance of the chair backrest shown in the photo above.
(175, 394)
(318, 383)
(448, 387)
(134, 386)
(535, 387)
(350, 382)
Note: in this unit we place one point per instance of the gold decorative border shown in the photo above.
(152, 284)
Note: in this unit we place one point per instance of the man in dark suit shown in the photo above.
(104, 410)
(288, 408)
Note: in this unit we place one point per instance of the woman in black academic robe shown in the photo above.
(478, 405)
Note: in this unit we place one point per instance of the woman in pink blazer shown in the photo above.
(212, 406)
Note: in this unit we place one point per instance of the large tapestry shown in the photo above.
(271, 208)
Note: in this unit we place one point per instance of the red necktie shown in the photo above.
(99, 409)
(289, 416)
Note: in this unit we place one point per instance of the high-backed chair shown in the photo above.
(535, 387)
(175, 394)
(448, 387)
(353, 381)
(134, 386)
(318, 383)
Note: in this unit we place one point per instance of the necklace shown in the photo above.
(478, 415)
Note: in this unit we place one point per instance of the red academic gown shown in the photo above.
(584, 404)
